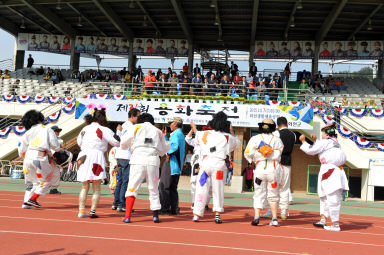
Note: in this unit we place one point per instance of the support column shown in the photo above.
(380, 69)
(251, 55)
(238, 160)
(131, 57)
(367, 192)
(190, 56)
(18, 62)
(75, 57)
(315, 60)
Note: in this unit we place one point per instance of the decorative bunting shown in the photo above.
(376, 113)
(38, 99)
(118, 97)
(23, 99)
(68, 100)
(54, 117)
(5, 132)
(273, 102)
(327, 120)
(358, 112)
(342, 111)
(379, 146)
(88, 97)
(362, 143)
(70, 108)
(19, 130)
(293, 103)
(53, 100)
(344, 132)
(101, 96)
(8, 98)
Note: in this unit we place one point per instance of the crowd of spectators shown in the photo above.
(318, 84)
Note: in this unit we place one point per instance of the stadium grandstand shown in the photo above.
(219, 34)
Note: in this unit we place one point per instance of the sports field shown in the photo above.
(55, 229)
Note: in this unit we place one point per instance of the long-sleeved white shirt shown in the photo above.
(329, 151)
(253, 155)
(120, 153)
(146, 142)
(96, 137)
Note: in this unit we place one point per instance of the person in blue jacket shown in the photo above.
(171, 169)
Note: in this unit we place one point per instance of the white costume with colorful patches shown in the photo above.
(35, 146)
(332, 180)
(93, 141)
(267, 169)
(196, 159)
(215, 146)
(147, 144)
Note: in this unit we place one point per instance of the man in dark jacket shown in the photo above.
(30, 61)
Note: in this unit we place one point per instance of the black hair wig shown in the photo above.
(146, 117)
(220, 123)
(330, 130)
(100, 117)
(32, 118)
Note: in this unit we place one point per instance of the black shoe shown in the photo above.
(54, 191)
(33, 203)
(93, 215)
(319, 224)
(120, 209)
(218, 221)
(207, 208)
(114, 207)
(156, 219)
(255, 222)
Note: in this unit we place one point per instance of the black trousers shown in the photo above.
(169, 197)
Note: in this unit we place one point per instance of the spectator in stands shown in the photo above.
(184, 88)
(163, 84)
(54, 78)
(67, 93)
(40, 71)
(47, 77)
(237, 78)
(30, 61)
(225, 85)
(196, 70)
(234, 69)
(60, 77)
(115, 77)
(173, 81)
(197, 84)
(181, 76)
(345, 102)
(303, 87)
(81, 78)
(317, 88)
(208, 75)
(253, 69)
(149, 82)
(260, 90)
(158, 74)
(325, 87)
(259, 79)
(185, 68)
(212, 85)
(249, 78)
(169, 74)
(273, 93)
(123, 72)
(14, 86)
(107, 76)
(5, 75)
(75, 75)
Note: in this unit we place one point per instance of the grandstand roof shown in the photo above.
(240, 22)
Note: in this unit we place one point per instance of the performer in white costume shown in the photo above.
(216, 145)
(55, 183)
(265, 150)
(147, 144)
(35, 147)
(332, 180)
(195, 163)
(93, 141)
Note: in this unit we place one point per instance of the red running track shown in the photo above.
(55, 229)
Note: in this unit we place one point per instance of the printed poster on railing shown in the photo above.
(376, 172)
(241, 115)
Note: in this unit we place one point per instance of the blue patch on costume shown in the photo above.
(262, 143)
(203, 179)
(19, 144)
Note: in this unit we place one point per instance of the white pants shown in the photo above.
(136, 177)
(38, 175)
(284, 188)
(215, 170)
(330, 205)
(55, 182)
(268, 187)
(193, 191)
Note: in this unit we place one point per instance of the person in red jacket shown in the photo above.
(148, 82)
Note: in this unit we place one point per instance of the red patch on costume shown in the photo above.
(97, 169)
(204, 157)
(219, 175)
(327, 174)
(274, 185)
(99, 134)
(39, 175)
(227, 137)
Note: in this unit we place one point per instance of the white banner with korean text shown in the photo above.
(240, 115)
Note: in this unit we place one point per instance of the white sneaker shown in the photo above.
(25, 206)
(195, 218)
(82, 215)
(274, 223)
(332, 228)
(192, 206)
(268, 214)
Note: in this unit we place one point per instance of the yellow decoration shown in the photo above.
(132, 189)
(204, 139)
(42, 184)
(247, 150)
(36, 142)
(137, 129)
(25, 171)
